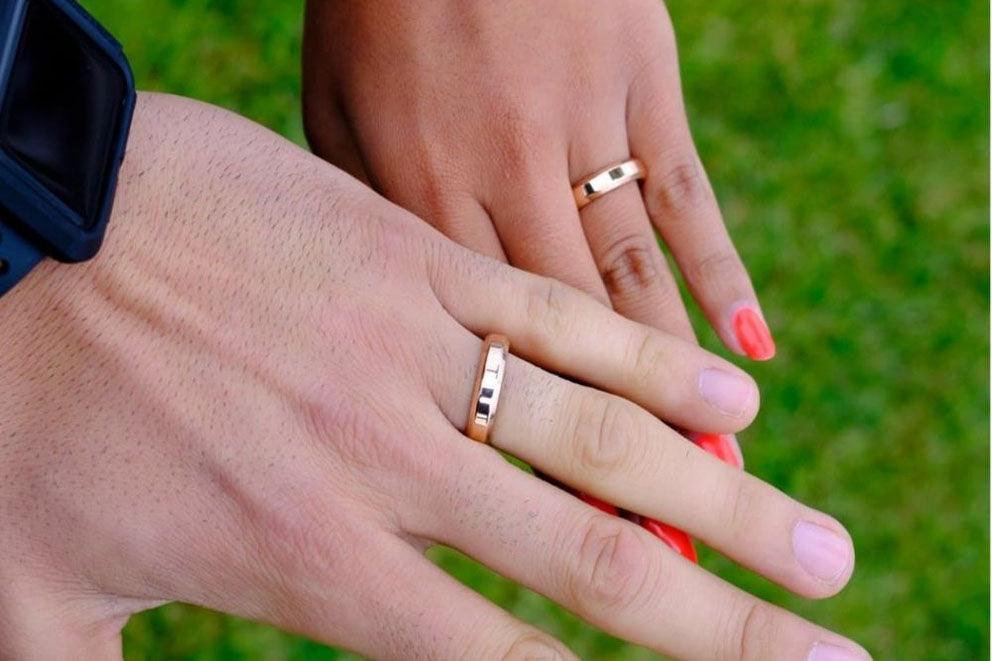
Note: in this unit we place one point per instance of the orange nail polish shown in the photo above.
(599, 504)
(719, 446)
(753, 335)
(678, 540)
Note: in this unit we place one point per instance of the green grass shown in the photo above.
(848, 142)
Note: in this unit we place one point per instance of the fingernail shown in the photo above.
(676, 539)
(831, 652)
(601, 505)
(729, 393)
(721, 446)
(821, 552)
(753, 334)
(735, 447)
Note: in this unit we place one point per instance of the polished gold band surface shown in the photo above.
(488, 383)
(606, 180)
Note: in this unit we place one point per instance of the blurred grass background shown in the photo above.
(848, 142)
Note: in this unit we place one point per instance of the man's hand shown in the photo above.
(479, 116)
(252, 401)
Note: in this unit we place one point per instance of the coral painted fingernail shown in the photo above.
(753, 334)
(721, 446)
(821, 552)
(676, 539)
(599, 504)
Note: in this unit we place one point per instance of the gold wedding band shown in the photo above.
(606, 180)
(488, 383)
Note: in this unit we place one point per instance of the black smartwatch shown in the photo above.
(66, 100)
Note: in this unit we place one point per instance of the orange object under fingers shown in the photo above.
(677, 539)
(719, 446)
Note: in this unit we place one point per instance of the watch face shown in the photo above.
(62, 108)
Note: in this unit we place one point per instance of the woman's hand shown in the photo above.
(479, 116)
(252, 401)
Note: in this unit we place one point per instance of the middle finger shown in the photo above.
(634, 271)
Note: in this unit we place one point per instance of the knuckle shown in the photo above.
(647, 356)
(630, 265)
(739, 509)
(292, 537)
(752, 634)
(534, 647)
(516, 153)
(607, 435)
(678, 187)
(435, 191)
(718, 267)
(441, 181)
(612, 570)
(359, 432)
(522, 132)
(546, 312)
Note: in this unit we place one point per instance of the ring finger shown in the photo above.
(606, 446)
(634, 270)
(613, 449)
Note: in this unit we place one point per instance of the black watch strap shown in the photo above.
(17, 257)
